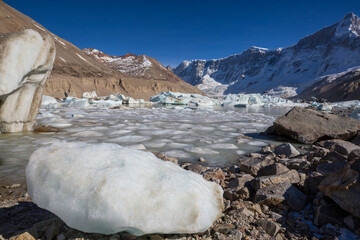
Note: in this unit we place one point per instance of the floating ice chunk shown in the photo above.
(120, 132)
(177, 145)
(257, 143)
(130, 139)
(107, 188)
(76, 103)
(155, 144)
(223, 146)
(177, 154)
(47, 115)
(47, 100)
(138, 147)
(201, 150)
(240, 152)
(60, 125)
(89, 94)
(355, 114)
(88, 134)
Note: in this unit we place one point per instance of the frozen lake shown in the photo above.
(181, 132)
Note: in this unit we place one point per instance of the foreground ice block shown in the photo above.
(26, 60)
(107, 188)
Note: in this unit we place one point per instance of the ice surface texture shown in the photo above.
(26, 60)
(107, 188)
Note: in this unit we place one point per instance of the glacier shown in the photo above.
(106, 188)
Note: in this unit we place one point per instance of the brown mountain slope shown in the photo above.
(74, 72)
(140, 66)
(342, 86)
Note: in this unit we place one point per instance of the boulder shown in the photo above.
(106, 188)
(326, 169)
(275, 194)
(340, 146)
(356, 140)
(273, 169)
(270, 227)
(329, 214)
(309, 126)
(286, 149)
(253, 165)
(26, 60)
(343, 187)
(291, 176)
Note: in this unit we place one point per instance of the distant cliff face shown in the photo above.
(75, 72)
(331, 50)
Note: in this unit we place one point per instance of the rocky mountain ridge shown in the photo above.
(331, 50)
(140, 66)
(75, 72)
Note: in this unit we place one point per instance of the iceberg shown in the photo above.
(106, 188)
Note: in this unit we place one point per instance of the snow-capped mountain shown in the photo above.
(331, 50)
(140, 66)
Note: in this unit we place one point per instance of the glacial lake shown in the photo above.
(181, 132)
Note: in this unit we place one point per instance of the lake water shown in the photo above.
(181, 132)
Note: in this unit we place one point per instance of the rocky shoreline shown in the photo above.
(269, 195)
(278, 193)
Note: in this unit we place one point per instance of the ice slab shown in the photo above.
(106, 188)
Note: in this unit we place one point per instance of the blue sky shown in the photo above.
(173, 31)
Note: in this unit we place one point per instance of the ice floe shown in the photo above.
(131, 190)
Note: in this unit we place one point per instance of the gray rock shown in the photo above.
(253, 165)
(291, 176)
(328, 214)
(239, 182)
(326, 169)
(356, 140)
(354, 155)
(340, 146)
(286, 149)
(275, 194)
(273, 169)
(270, 227)
(295, 163)
(343, 187)
(309, 126)
(196, 168)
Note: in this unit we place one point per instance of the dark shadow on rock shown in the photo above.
(21, 217)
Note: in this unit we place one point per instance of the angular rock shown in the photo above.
(291, 176)
(356, 140)
(328, 214)
(253, 165)
(273, 169)
(270, 227)
(295, 163)
(334, 157)
(23, 236)
(239, 182)
(26, 60)
(106, 188)
(199, 169)
(354, 155)
(326, 169)
(309, 126)
(312, 181)
(286, 149)
(343, 187)
(275, 194)
(340, 146)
